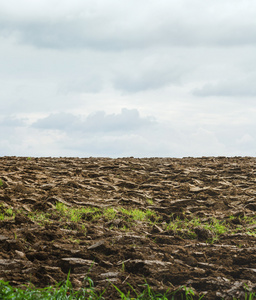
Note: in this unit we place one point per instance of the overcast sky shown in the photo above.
(142, 78)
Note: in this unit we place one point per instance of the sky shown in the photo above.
(121, 78)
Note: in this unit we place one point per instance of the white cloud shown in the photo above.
(205, 142)
(124, 134)
(246, 139)
(69, 67)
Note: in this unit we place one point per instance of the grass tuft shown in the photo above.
(65, 291)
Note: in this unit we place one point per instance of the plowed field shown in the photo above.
(172, 222)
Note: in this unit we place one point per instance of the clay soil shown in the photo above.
(39, 244)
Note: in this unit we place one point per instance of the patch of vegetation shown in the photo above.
(74, 241)
(40, 218)
(150, 201)
(6, 213)
(61, 291)
(184, 226)
(138, 214)
(65, 291)
(245, 225)
(92, 214)
(75, 214)
(147, 293)
(110, 213)
(216, 228)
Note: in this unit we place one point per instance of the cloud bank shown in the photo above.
(136, 78)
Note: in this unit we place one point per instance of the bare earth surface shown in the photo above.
(122, 250)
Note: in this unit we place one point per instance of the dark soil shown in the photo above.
(117, 250)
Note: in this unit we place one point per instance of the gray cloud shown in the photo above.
(127, 121)
(127, 134)
(11, 121)
(69, 67)
(75, 35)
(92, 84)
(153, 77)
(59, 121)
(134, 24)
(244, 86)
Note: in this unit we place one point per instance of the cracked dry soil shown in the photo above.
(43, 253)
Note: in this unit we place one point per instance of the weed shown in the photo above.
(147, 293)
(150, 201)
(74, 241)
(74, 214)
(9, 211)
(83, 228)
(110, 213)
(6, 213)
(61, 207)
(217, 227)
(123, 267)
(189, 293)
(40, 218)
(124, 228)
(138, 214)
(93, 214)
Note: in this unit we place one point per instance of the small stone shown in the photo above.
(109, 274)
(96, 245)
(203, 234)
(75, 261)
(3, 238)
(76, 283)
(20, 254)
(190, 260)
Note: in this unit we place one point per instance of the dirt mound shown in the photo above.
(172, 222)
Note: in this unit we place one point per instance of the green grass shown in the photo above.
(6, 213)
(150, 201)
(110, 213)
(40, 218)
(147, 293)
(63, 291)
(137, 214)
(186, 228)
(75, 214)
(129, 215)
